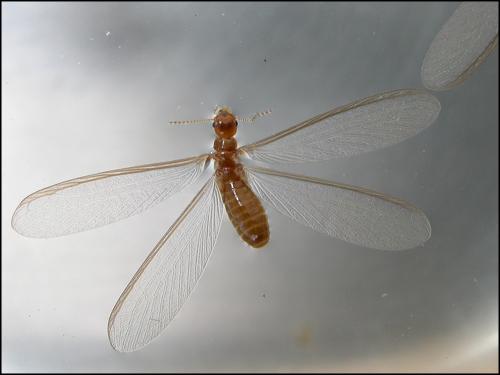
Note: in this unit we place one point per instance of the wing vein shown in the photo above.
(350, 213)
(168, 275)
(362, 126)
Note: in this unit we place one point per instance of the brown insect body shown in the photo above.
(243, 207)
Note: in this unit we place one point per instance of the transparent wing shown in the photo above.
(103, 198)
(352, 214)
(365, 125)
(462, 44)
(168, 275)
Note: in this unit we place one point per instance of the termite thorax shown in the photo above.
(225, 144)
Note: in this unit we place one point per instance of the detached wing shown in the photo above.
(352, 214)
(103, 198)
(366, 125)
(168, 275)
(463, 43)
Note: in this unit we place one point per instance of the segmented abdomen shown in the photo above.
(243, 208)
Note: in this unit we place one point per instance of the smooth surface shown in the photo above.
(91, 87)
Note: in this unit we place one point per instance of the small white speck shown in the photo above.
(91, 38)
(222, 14)
(373, 33)
(474, 279)
(383, 295)
(202, 103)
(108, 33)
(119, 46)
(423, 150)
(78, 62)
(178, 107)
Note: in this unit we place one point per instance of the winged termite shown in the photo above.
(462, 44)
(168, 275)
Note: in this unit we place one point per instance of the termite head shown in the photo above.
(225, 123)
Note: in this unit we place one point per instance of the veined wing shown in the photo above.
(168, 275)
(352, 214)
(366, 125)
(91, 201)
(462, 44)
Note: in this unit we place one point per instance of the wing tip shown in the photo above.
(29, 231)
(429, 70)
(424, 232)
(432, 100)
(118, 345)
(437, 109)
(426, 229)
(14, 219)
(115, 344)
(15, 224)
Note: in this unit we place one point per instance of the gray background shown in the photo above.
(91, 87)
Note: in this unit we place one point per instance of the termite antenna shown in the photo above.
(218, 109)
(254, 117)
(205, 121)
